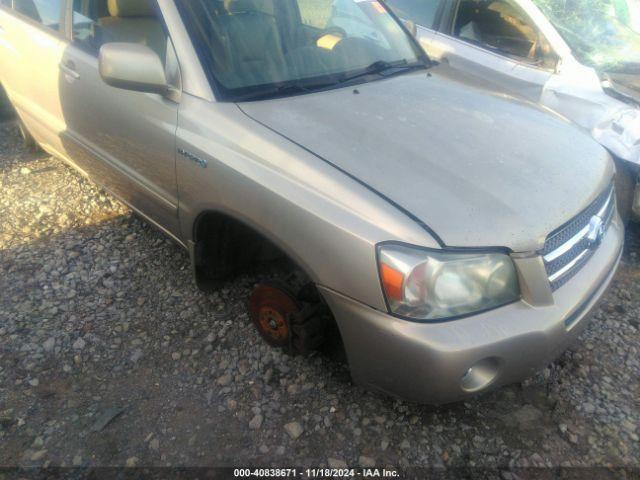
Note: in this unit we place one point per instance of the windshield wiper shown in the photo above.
(286, 89)
(283, 90)
(382, 67)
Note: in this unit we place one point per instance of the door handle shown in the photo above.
(69, 68)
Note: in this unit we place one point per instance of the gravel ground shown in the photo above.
(110, 356)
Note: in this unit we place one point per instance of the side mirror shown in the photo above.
(132, 66)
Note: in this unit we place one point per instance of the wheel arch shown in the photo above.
(235, 244)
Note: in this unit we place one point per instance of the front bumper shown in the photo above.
(448, 361)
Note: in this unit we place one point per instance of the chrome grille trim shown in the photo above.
(567, 249)
(568, 266)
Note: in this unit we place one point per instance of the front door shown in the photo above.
(125, 140)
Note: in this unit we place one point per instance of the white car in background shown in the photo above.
(580, 58)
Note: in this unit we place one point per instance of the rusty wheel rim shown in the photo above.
(273, 324)
(271, 307)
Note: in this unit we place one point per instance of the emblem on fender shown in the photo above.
(200, 161)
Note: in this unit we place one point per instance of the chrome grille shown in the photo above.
(567, 249)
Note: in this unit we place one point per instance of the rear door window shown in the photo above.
(45, 12)
(420, 12)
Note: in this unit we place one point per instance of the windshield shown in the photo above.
(599, 32)
(261, 48)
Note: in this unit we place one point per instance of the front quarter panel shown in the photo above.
(325, 221)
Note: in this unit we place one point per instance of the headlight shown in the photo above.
(431, 285)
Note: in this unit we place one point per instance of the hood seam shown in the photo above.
(391, 202)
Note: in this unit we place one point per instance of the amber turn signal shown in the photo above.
(392, 281)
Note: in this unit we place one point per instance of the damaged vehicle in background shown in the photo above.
(580, 58)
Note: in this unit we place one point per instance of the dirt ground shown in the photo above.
(109, 356)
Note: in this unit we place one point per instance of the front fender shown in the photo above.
(325, 221)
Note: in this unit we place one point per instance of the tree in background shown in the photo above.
(596, 30)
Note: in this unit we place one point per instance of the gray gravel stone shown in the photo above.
(336, 463)
(294, 429)
(526, 417)
(36, 456)
(136, 355)
(49, 344)
(101, 310)
(256, 422)
(366, 462)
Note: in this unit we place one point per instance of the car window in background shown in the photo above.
(46, 12)
(501, 26)
(6, 3)
(293, 43)
(420, 12)
(596, 32)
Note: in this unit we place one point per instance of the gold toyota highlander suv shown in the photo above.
(457, 237)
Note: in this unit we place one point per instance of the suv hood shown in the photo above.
(479, 168)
